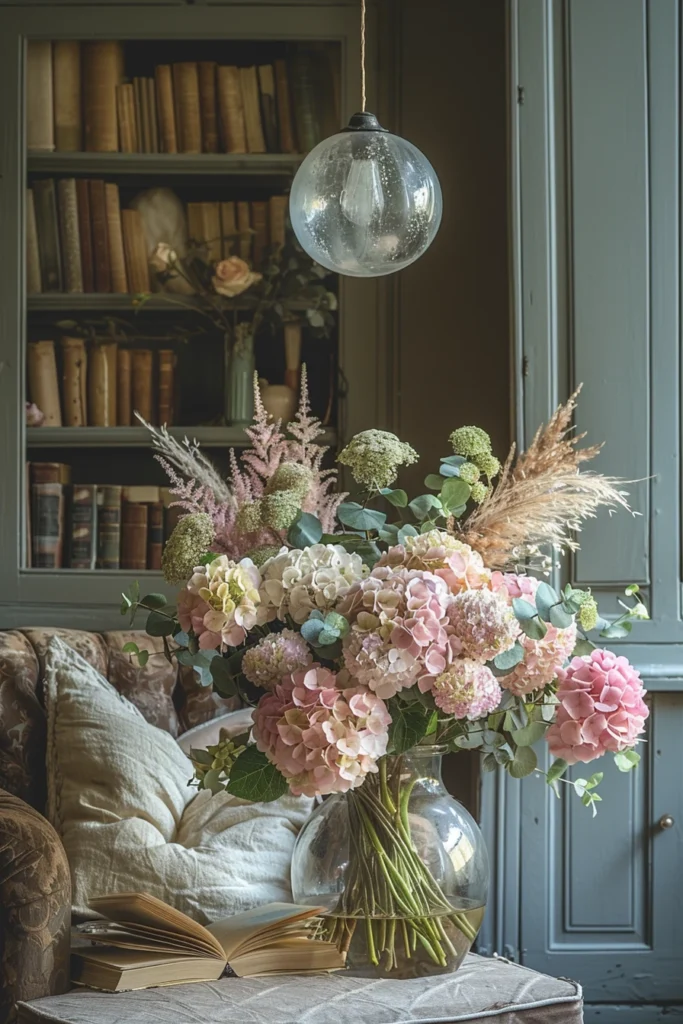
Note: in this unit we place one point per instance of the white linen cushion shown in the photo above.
(208, 733)
(118, 794)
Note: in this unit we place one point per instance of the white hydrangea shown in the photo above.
(299, 581)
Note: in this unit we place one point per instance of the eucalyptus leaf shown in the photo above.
(455, 492)
(154, 601)
(489, 763)
(559, 617)
(406, 531)
(470, 740)
(529, 735)
(546, 597)
(160, 625)
(616, 631)
(396, 497)
(222, 678)
(506, 660)
(421, 507)
(305, 530)
(453, 460)
(143, 658)
(557, 769)
(327, 636)
(311, 630)
(447, 470)
(523, 763)
(523, 609)
(434, 481)
(625, 760)
(389, 533)
(130, 648)
(582, 648)
(534, 628)
(350, 513)
(254, 778)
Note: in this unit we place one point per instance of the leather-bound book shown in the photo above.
(306, 99)
(259, 224)
(277, 220)
(33, 281)
(85, 234)
(83, 527)
(135, 248)
(100, 236)
(108, 526)
(195, 223)
(251, 102)
(144, 493)
(125, 105)
(47, 227)
(244, 246)
(166, 386)
(186, 90)
(43, 386)
(117, 260)
(102, 384)
(155, 534)
(152, 115)
(66, 62)
(39, 98)
(102, 72)
(141, 117)
(268, 97)
(206, 70)
(124, 393)
(74, 382)
(47, 525)
(231, 110)
(228, 229)
(69, 233)
(166, 108)
(285, 120)
(142, 365)
(133, 536)
(211, 220)
(50, 473)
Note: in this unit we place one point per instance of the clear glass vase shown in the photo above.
(400, 867)
(239, 366)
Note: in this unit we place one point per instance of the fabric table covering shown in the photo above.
(491, 990)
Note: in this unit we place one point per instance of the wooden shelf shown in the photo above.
(63, 302)
(138, 437)
(274, 165)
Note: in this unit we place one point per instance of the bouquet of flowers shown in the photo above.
(361, 628)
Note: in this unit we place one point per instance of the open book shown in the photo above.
(145, 943)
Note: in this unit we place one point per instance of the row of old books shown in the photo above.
(95, 526)
(100, 384)
(79, 98)
(78, 239)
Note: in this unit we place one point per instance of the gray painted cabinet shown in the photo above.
(595, 174)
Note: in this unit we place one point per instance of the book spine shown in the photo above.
(135, 248)
(102, 67)
(45, 202)
(152, 114)
(211, 230)
(50, 473)
(123, 388)
(117, 261)
(266, 81)
(85, 234)
(231, 110)
(259, 223)
(74, 382)
(142, 364)
(47, 525)
(166, 386)
(284, 107)
(39, 97)
(206, 70)
(140, 119)
(33, 281)
(108, 527)
(186, 86)
(83, 527)
(42, 381)
(66, 59)
(305, 101)
(165, 107)
(102, 385)
(277, 221)
(98, 212)
(256, 142)
(292, 355)
(228, 229)
(133, 536)
(244, 229)
(155, 535)
(71, 246)
(123, 108)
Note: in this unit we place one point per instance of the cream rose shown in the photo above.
(233, 276)
(163, 257)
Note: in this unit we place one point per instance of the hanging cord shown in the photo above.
(362, 54)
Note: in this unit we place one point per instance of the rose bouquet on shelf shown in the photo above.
(364, 630)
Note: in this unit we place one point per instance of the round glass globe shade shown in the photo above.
(365, 203)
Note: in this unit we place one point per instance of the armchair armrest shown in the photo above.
(35, 907)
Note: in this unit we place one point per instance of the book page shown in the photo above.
(233, 932)
(139, 908)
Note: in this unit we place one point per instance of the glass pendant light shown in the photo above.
(365, 203)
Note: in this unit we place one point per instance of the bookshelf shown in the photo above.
(120, 454)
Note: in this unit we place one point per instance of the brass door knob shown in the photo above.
(666, 821)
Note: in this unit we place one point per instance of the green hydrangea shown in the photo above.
(588, 612)
(250, 517)
(260, 556)
(189, 542)
(373, 456)
(488, 464)
(212, 766)
(479, 492)
(470, 441)
(469, 473)
(280, 509)
(291, 476)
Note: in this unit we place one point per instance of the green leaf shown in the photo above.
(208, 557)
(434, 481)
(522, 608)
(470, 740)
(453, 460)
(421, 507)
(506, 660)
(222, 678)
(625, 760)
(126, 603)
(581, 648)
(143, 658)
(406, 531)
(529, 735)
(523, 763)
(369, 553)
(534, 628)
(446, 470)
(616, 631)
(389, 533)
(408, 725)
(489, 763)
(154, 601)
(130, 648)
(557, 769)
(305, 530)
(455, 492)
(559, 617)
(254, 778)
(160, 625)
(632, 589)
(350, 513)
(397, 497)
(546, 597)
(432, 724)
(327, 636)
(311, 630)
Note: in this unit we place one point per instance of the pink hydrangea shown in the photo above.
(467, 689)
(322, 739)
(515, 585)
(439, 552)
(484, 624)
(275, 656)
(543, 660)
(601, 708)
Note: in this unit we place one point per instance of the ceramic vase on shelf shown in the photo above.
(239, 375)
(400, 867)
